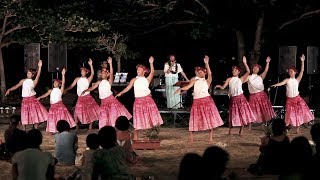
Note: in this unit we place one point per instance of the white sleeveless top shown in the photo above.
(235, 86)
(55, 95)
(200, 89)
(141, 87)
(82, 85)
(28, 88)
(292, 87)
(255, 84)
(104, 89)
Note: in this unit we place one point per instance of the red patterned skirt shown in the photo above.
(204, 115)
(297, 111)
(261, 107)
(32, 111)
(58, 111)
(240, 112)
(86, 110)
(145, 113)
(110, 110)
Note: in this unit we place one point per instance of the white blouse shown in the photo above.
(28, 88)
(104, 89)
(292, 87)
(82, 85)
(200, 89)
(255, 84)
(235, 87)
(173, 68)
(55, 96)
(141, 87)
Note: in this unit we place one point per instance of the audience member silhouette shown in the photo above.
(312, 172)
(93, 144)
(215, 162)
(274, 151)
(32, 163)
(110, 161)
(191, 167)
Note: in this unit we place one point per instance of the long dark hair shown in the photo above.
(176, 69)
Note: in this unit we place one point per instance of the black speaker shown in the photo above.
(287, 58)
(312, 60)
(57, 57)
(31, 56)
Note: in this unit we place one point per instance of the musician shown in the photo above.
(172, 70)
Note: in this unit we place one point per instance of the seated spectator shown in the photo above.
(32, 163)
(191, 167)
(300, 154)
(15, 139)
(124, 138)
(215, 162)
(274, 151)
(110, 161)
(315, 161)
(92, 142)
(66, 144)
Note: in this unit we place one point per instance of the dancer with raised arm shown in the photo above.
(86, 110)
(58, 111)
(204, 114)
(172, 70)
(145, 111)
(240, 113)
(32, 111)
(297, 111)
(258, 99)
(110, 107)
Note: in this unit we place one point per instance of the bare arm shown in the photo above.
(94, 86)
(209, 73)
(45, 95)
(266, 69)
(302, 58)
(91, 69)
(127, 88)
(63, 72)
(185, 88)
(36, 80)
(15, 87)
(280, 83)
(245, 76)
(150, 77)
(224, 85)
(111, 71)
(72, 85)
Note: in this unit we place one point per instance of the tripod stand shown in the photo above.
(179, 84)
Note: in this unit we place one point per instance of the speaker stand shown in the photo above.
(310, 86)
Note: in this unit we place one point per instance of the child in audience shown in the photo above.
(124, 138)
(92, 141)
(66, 144)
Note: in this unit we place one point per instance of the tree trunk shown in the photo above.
(256, 51)
(241, 46)
(2, 78)
(118, 59)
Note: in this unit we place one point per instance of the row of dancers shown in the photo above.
(203, 116)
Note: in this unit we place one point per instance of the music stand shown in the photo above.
(180, 84)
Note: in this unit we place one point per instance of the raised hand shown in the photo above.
(244, 60)
(206, 59)
(63, 72)
(90, 62)
(302, 58)
(268, 59)
(109, 60)
(151, 60)
(40, 63)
